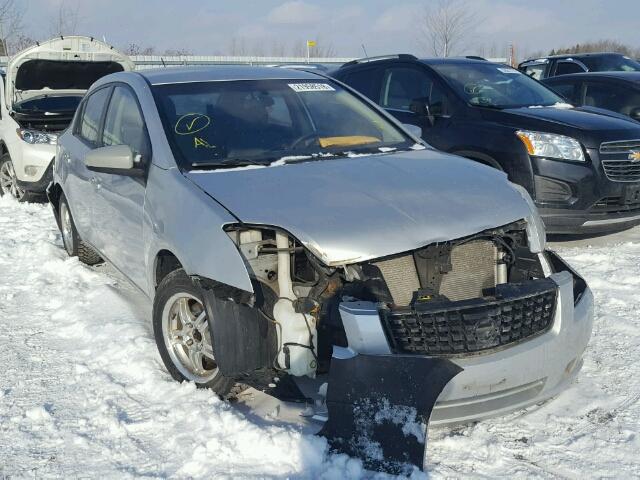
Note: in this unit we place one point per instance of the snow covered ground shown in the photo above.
(83, 393)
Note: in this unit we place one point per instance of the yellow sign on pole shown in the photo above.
(311, 43)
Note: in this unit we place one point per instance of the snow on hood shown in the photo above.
(349, 210)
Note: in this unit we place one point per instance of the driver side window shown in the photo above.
(124, 124)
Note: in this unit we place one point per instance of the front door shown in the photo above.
(80, 183)
(405, 92)
(119, 208)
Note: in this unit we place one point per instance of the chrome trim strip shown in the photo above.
(610, 221)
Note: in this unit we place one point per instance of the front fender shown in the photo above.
(183, 219)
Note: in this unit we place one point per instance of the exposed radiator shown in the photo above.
(401, 277)
(473, 270)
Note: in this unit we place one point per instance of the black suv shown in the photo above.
(555, 65)
(581, 168)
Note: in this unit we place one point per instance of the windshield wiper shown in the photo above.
(231, 163)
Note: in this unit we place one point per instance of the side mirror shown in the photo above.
(635, 113)
(422, 108)
(107, 159)
(414, 130)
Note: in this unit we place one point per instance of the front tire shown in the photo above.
(73, 244)
(181, 330)
(8, 179)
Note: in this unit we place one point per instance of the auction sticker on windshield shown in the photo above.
(311, 87)
(508, 70)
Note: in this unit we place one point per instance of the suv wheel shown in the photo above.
(8, 180)
(181, 330)
(73, 244)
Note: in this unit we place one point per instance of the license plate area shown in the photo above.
(631, 194)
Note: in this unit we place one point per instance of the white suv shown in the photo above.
(39, 94)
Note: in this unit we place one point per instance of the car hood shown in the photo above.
(64, 65)
(590, 127)
(349, 210)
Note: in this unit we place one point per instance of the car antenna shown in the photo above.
(364, 50)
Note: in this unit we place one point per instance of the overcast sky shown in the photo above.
(207, 26)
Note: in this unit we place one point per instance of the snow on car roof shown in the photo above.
(223, 73)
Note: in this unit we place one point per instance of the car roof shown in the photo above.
(223, 73)
(571, 55)
(456, 61)
(628, 76)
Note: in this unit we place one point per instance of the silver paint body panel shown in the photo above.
(348, 210)
(345, 210)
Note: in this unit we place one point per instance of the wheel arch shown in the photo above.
(54, 193)
(480, 158)
(165, 262)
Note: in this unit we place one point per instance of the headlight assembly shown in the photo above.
(35, 137)
(550, 145)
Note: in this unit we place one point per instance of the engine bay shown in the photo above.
(300, 297)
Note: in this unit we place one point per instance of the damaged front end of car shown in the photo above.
(388, 335)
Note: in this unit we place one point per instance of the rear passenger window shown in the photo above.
(565, 68)
(364, 81)
(124, 124)
(92, 114)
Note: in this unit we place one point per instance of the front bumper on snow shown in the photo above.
(505, 378)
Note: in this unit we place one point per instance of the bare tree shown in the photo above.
(598, 46)
(177, 52)
(66, 20)
(19, 42)
(10, 24)
(136, 49)
(446, 26)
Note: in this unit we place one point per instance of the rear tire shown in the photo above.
(181, 330)
(73, 244)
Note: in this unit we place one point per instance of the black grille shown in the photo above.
(516, 313)
(616, 161)
(616, 205)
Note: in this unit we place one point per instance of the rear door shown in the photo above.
(119, 207)
(79, 183)
(364, 80)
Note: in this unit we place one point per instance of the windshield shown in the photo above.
(610, 63)
(47, 103)
(495, 86)
(258, 121)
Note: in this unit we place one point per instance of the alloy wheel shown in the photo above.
(185, 329)
(9, 182)
(66, 228)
